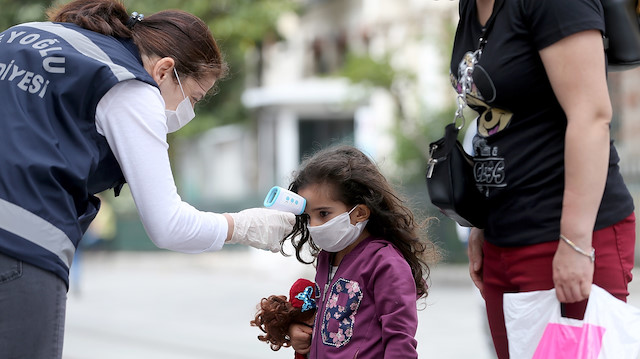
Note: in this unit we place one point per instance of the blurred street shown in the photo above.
(161, 305)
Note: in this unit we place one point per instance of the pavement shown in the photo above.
(165, 305)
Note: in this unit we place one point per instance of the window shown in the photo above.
(316, 134)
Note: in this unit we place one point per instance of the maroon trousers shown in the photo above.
(529, 268)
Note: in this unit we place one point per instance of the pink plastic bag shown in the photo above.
(536, 329)
(560, 341)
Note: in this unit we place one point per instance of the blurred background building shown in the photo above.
(369, 73)
(341, 71)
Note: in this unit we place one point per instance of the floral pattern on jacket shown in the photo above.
(339, 315)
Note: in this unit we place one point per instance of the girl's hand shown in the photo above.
(572, 274)
(300, 335)
(474, 251)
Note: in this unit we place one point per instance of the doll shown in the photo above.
(276, 313)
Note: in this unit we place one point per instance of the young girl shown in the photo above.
(276, 314)
(371, 263)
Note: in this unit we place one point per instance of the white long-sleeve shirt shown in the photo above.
(132, 119)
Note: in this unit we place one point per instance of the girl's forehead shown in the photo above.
(318, 191)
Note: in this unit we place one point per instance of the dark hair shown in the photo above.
(275, 315)
(355, 179)
(170, 33)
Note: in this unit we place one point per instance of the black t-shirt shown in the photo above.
(519, 148)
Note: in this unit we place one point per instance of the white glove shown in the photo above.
(261, 228)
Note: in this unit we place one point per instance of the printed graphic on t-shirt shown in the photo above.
(489, 165)
(340, 312)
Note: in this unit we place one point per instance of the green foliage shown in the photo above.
(365, 70)
(412, 144)
(15, 12)
(412, 132)
(238, 26)
(412, 136)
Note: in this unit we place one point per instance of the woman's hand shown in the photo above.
(474, 251)
(572, 274)
(300, 335)
(260, 228)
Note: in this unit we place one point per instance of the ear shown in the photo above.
(362, 213)
(162, 69)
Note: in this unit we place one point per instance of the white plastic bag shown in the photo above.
(535, 328)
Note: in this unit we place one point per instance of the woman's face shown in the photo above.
(321, 207)
(194, 89)
(162, 71)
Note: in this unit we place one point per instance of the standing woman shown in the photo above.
(88, 100)
(544, 158)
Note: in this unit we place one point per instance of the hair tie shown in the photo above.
(134, 19)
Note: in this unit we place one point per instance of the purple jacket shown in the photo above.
(369, 308)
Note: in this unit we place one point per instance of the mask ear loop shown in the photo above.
(179, 83)
(352, 209)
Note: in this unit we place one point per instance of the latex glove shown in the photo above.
(261, 228)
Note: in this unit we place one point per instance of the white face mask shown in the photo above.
(338, 233)
(183, 114)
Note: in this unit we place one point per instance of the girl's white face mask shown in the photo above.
(338, 233)
(183, 114)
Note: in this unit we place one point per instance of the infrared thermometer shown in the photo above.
(285, 200)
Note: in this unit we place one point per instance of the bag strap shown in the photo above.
(467, 79)
(497, 6)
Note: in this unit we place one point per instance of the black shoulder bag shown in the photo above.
(451, 183)
(450, 171)
(622, 33)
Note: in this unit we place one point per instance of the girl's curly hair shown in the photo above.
(355, 179)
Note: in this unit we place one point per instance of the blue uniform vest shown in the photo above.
(52, 159)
